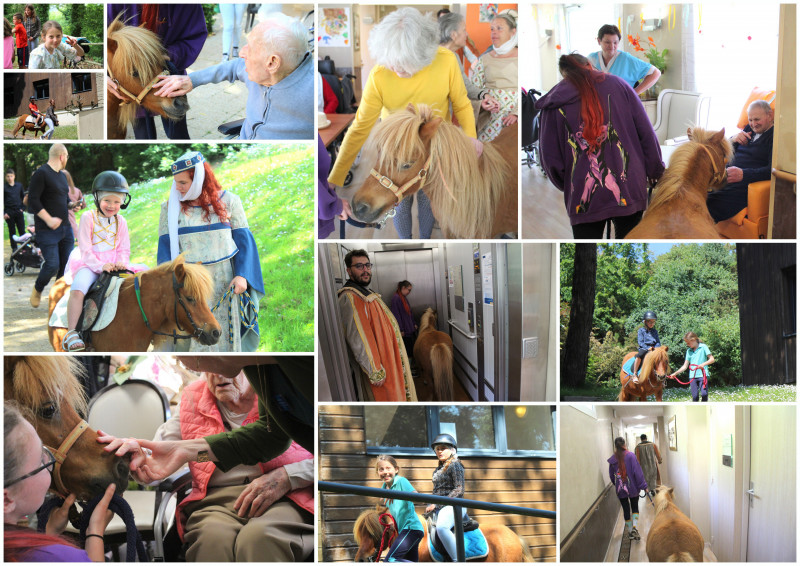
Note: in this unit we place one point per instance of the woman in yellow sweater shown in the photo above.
(410, 67)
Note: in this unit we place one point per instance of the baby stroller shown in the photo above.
(530, 128)
(26, 255)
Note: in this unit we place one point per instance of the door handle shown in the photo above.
(751, 492)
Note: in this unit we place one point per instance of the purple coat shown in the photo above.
(613, 181)
(404, 319)
(328, 203)
(636, 481)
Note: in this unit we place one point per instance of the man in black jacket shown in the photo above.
(13, 209)
(752, 161)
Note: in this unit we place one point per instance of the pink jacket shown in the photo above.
(199, 418)
(96, 260)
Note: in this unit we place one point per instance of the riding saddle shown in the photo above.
(475, 545)
(93, 302)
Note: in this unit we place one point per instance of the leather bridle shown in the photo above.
(398, 192)
(142, 94)
(60, 454)
(719, 175)
(198, 331)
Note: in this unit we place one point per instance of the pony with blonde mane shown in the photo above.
(471, 197)
(136, 58)
(504, 544)
(175, 296)
(433, 351)
(678, 208)
(47, 392)
(673, 537)
(653, 373)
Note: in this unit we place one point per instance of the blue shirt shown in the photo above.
(648, 338)
(627, 67)
(698, 356)
(402, 510)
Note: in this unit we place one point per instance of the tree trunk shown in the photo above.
(575, 356)
(76, 19)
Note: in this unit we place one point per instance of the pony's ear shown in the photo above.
(411, 108)
(689, 132)
(666, 348)
(112, 45)
(718, 137)
(427, 129)
(180, 271)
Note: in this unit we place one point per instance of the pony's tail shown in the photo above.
(680, 557)
(442, 366)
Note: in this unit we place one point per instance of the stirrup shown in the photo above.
(72, 342)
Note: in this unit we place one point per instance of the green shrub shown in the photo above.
(605, 361)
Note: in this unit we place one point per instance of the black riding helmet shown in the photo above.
(650, 315)
(444, 439)
(111, 182)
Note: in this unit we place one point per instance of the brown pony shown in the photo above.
(504, 544)
(654, 371)
(136, 58)
(678, 208)
(471, 197)
(162, 303)
(23, 125)
(47, 391)
(673, 537)
(433, 351)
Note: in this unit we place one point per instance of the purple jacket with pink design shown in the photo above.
(613, 180)
(635, 477)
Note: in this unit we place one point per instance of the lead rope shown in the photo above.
(243, 319)
(388, 524)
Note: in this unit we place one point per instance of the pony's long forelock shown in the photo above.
(137, 48)
(33, 381)
(650, 360)
(684, 159)
(368, 520)
(198, 280)
(466, 203)
(663, 499)
(426, 321)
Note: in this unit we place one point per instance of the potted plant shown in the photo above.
(655, 57)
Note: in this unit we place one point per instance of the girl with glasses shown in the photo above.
(26, 481)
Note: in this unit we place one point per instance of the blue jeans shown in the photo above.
(56, 246)
(698, 390)
(402, 220)
(144, 128)
(405, 547)
(231, 25)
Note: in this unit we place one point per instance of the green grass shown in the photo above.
(61, 133)
(726, 394)
(276, 193)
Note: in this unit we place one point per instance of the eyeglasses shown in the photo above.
(48, 462)
(361, 266)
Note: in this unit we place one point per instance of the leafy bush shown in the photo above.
(605, 360)
(722, 338)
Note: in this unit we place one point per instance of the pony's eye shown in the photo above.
(190, 300)
(135, 73)
(405, 166)
(48, 411)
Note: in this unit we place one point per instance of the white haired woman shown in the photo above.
(411, 68)
(453, 35)
(495, 74)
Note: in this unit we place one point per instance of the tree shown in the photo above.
(622, 271)
(575, 355)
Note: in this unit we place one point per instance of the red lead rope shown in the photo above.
(386, 526)
(693, 367)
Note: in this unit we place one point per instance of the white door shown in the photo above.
(772, 531)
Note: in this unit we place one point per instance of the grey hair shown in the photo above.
(763, 104)
(508, 17)
(448, 25)
(405, 40)
(284, 36)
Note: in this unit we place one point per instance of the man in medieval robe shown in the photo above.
(373, 335)
(649, 458)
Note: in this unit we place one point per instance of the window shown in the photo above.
(480, 430)
(41, 89)
(81, 82)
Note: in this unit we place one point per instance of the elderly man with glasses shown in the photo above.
(373, 336)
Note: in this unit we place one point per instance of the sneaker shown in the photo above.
(224, 57)
(36, 298)
(634, 534)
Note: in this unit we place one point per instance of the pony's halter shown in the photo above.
(128, 93)
(60, 454)
(719, 175)
(387, 183)
(198, 331)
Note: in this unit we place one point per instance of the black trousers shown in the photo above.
(594, 230)
(16, 225)
(628, 504)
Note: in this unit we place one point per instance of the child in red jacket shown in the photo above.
(22, 41)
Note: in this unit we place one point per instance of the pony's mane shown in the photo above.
(369, 521)
(650, 360)
(425, 321)
(138, 49)
(198, 281)
(33, 381)
(468, 199)
(663, 499)
(683, 161)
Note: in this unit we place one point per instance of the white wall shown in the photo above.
(726, 483)
(585, 446)
(536, 310)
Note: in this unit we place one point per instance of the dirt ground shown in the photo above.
(24, 328)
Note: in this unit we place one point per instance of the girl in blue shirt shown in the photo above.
(699, 356)
(409, 527)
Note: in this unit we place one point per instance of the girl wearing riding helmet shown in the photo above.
(103, 245)
(207, 224)
(405, 547)
(648, 340)
(697, 354)
(628, 479)
(25, 485)
(448, 481)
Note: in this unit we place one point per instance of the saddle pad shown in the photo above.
(59, 316)
(475, 547)
(628, 367)
(30, 120)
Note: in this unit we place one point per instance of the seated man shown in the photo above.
(259, 513)
(278, 71)
(752, 161)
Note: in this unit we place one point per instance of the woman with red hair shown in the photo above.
(208, 225)
(628, 479)
(598, 147)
